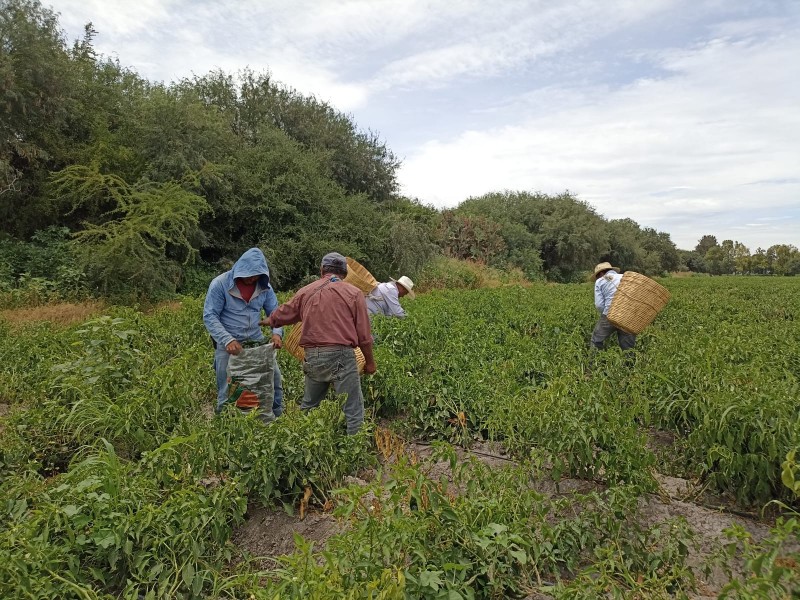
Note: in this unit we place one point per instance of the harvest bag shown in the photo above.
(250, 379)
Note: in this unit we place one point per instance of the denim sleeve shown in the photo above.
(599, 300)
(270, 304)
(215, 302)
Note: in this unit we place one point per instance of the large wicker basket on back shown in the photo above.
(292, 345)
(359, 276)
(637, 302)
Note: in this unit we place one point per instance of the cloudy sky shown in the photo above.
(681, 114)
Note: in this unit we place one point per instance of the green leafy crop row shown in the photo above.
(116, 481)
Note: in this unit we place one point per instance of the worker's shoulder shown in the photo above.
(220, 280)
(309, 287)
(609, 277)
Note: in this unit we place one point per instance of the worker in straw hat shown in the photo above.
(385, 298)
(606, 281)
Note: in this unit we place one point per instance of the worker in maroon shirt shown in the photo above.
(335, 322)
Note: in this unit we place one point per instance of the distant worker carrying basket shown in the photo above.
(382, 298)
(606, 282)
(627, 304)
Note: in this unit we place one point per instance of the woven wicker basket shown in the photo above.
(292, 345)
(359, 276)
(291, 342)
(637, 302)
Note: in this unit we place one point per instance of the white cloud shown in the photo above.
(706, 137)
(478, 43)
(113, 17)
(314, 45)
(167, 41)
(726, 115)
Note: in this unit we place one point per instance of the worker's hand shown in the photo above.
(277, 341)
(370, 368)
(233, 347)
(265, 322)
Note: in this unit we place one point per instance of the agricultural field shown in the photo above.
(496, 461)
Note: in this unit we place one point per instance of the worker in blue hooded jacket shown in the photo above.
(231, 314)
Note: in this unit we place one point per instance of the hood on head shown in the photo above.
(252, 262)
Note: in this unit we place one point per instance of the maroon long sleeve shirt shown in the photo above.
(333, 312)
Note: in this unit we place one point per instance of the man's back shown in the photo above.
(385, 300)
(604, 289)
(333, 313)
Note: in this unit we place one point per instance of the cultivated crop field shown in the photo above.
(495, 463)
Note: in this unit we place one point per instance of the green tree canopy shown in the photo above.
(705, 244)
(147, 178)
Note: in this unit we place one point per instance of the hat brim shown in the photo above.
(617, 269)
(411, 295)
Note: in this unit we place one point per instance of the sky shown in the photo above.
(683, 115)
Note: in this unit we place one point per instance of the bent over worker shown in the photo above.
(335, 322)
(231, 315)
(606, 281)
(385, 298)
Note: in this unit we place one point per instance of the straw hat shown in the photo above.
(604, 266)
(407, 284)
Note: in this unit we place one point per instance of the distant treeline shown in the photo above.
(112, 184)
(732, 257)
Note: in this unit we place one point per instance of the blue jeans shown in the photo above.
(336, 365)
(221, 358)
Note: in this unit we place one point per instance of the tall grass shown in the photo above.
(451, 273)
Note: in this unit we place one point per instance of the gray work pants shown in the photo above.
(337, 365)
(604, 329)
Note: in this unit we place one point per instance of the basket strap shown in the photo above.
(378, 296)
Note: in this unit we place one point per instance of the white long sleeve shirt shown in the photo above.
(385, 300)
(604, 290)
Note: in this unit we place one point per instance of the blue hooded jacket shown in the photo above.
(225, 313)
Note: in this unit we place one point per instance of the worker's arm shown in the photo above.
(287, 313)
(212, 308)
(599, 296)
(270, 304)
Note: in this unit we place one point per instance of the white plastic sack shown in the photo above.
(251, 380)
